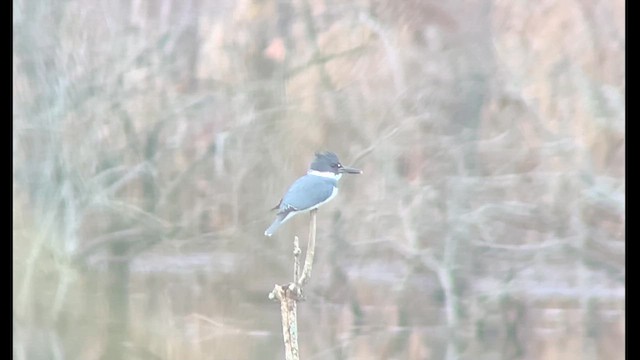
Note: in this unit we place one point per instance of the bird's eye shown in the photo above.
(338, 165)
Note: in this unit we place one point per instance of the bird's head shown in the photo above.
(327, 162)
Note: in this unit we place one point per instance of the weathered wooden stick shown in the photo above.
(289, 294)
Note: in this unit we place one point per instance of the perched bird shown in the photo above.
(312, 190)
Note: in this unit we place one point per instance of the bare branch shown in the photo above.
(308, 262)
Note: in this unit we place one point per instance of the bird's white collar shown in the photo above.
(325, 174)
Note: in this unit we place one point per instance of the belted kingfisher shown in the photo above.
(312, 190)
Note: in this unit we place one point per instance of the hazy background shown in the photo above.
(150, 138)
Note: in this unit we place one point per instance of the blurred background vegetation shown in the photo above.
(150, 138)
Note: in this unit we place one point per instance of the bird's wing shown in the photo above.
(305, 193)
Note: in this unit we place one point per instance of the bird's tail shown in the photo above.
(274, 226)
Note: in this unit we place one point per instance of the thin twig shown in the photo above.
(296, 259)
(308, 261)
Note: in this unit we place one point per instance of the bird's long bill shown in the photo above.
(349, 170)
